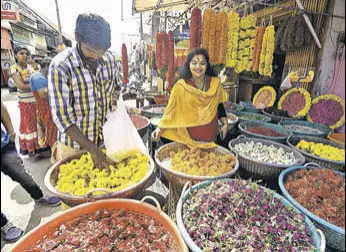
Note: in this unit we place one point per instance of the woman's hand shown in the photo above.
(157, 134)
(224, 131)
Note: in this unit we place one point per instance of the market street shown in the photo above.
(15, 202)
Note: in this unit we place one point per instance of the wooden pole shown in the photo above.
(59, 23)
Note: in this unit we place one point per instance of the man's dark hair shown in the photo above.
(17, 49)
(185, 72)
(93, 30)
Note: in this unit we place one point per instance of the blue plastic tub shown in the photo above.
(318, 240)
(335, 235)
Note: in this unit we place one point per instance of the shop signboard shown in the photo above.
(22, 35)
(184, 35)
(40, 42)
(9, 11)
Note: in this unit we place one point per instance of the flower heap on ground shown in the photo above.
(328, 110)
(265, 97)
(267, 53)
(233, 39)
(296, 101)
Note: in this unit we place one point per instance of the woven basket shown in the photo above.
(275, 118)
(52, 174)
(317, 235)
(179, 179)
(260, 170)
(337, 137)
(339, 166)
(145, 111)
(249, 107)
(48, 228)
(335, 235)
(258, 117)
(325, 130)
(246, 125)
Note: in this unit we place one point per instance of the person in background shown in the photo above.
(12, 166)
(195, 105)
(47, 131)
(20, 73)
(81, 85)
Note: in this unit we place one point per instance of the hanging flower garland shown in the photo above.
(258, 47)
(296, 101)
(267, 53)
(328, 110)
(265, 97)
(251, 33)
(211, 40)
(240, 67)
(171, 66)
(223, 38)
(125, 64)
(158, 50)
(233, 37)
(206, 28)
(195, 28)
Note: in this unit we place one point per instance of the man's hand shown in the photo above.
(100, 159)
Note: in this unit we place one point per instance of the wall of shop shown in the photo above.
(330, 50)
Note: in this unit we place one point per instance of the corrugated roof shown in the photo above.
(149, 5)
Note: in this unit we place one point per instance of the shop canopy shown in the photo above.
(140, 6)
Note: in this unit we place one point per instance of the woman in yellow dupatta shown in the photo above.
(195, 105)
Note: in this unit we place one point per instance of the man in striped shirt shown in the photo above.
(81, 83)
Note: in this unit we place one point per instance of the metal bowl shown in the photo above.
(52, 176)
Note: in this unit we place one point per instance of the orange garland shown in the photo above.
(257, 52)
(206, 28)
(221, 37)
(212, 33)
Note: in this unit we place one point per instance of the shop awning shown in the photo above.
(160, 5)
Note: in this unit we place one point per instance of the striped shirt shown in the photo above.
(79, 97)
(25, 73)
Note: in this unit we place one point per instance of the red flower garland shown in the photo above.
(195, 29)
(158, 50)
(171, 65)
(125, 64)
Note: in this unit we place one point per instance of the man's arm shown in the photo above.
(6, 121)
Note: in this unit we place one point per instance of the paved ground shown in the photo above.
(15, 202)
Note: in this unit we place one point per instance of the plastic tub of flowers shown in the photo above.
(304, 128)
(293, 141)
(141, 123)
(267, 131)
(278, 115)
(106, 214)
(52, 176)
(248, 117)
(263, 158)
(249, 107)
(335, 235)
(153, 111)
(179, 179)
(238, 215)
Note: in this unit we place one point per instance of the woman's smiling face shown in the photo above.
(198, 66)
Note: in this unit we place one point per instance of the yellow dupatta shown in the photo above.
(189, 107)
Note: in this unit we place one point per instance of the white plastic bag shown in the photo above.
(121, 137)
(286, 84)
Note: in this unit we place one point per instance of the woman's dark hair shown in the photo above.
(93, 30)
(185, 72)
(19, 48)
(45, 62)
